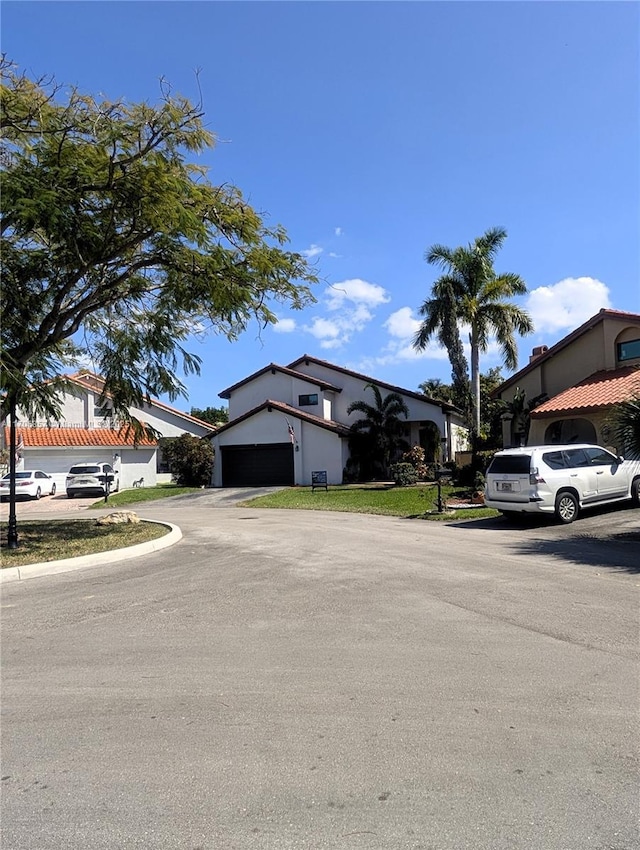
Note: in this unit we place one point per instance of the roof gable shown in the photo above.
(91, 381)
(285, 370)
(601, 316)
(294, 412)
(307, 358)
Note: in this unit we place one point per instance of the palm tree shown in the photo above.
(378, 435)
(470, 291)
(624, 425)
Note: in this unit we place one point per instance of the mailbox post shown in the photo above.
(107, 480)
(442, 473)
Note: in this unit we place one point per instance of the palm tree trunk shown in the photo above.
(475, 384)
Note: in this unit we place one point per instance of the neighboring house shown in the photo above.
(87, 432)
(579, 378)
(286, 422)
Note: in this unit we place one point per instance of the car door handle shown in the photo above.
(601, 472)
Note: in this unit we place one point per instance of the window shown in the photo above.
(307, 400)
(598, 457)
(577, 457)
(629, 350)
(554, 460)
(101, 412)
(510, 465)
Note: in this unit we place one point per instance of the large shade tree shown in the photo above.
(472, 293)
(117, 249)
(378, 435)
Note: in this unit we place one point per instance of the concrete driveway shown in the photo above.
(292, 680)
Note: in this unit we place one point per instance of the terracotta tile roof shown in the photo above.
(71, 437)
(618, 315)
(599, 390)
(294, 413)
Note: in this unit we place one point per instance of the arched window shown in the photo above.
(570, 431)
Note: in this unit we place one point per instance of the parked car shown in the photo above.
(560, 480)
(88, 478)
(30, 484)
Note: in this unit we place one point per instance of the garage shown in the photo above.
(267, 465)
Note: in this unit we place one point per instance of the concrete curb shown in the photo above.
(65, 565)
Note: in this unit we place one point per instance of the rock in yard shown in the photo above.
(118, 517)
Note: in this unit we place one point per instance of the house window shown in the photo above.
(629, 350)
(307, 400)
(101, 412)
(162, 457)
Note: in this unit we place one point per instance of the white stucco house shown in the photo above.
(286, 422)
(84, 433)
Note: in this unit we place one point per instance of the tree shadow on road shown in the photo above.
(619, 551)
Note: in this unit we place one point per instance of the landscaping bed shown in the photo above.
(51, 540)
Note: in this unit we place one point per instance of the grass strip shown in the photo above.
(50, 540)
(388, 500)
(144, 494)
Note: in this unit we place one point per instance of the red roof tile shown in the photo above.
(599, 390)
(70, 437)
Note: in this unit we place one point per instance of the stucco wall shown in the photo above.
(319, 450)
(353, 389)
(135, 464)
(276, 386)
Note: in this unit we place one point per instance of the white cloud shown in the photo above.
(334, 256)
(356, 291)
(401, 324)
(312, 251)
(567, 304)
(285, 326)
(338, 231)
(324, 328)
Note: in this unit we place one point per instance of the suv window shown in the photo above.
(554, 460)
(510, 465)
(577, 457)
(598, 457)
(84, 470)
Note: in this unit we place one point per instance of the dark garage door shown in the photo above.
(257, 466)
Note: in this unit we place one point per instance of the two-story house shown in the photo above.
(286, 422)
(86, 431)
(579, 378)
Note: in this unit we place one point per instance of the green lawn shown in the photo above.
(418, 501)
(50, 540)
(144, 494)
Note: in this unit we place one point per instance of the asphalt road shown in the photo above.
(296, 681)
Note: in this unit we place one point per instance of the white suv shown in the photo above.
(560, 480)
(87, 478)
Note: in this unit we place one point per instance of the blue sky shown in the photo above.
(374, 130)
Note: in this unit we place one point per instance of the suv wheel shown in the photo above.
(567, 507)
(635, 492)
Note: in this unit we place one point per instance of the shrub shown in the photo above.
(190, 460)
(416, 457)
(403, 474)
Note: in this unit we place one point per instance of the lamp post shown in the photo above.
(12, 528)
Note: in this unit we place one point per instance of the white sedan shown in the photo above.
(31, 484)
